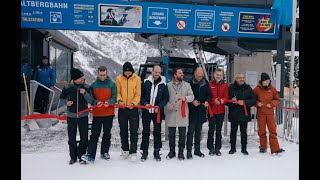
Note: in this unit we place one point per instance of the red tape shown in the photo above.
(183, 108)
(236, 102)
(43, 116)
(287, 108)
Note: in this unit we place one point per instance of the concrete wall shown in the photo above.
(252, 66)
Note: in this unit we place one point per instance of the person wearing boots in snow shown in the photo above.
(128, 95)
(76, 94)
(242, 93)
(267, 100)
(219, 91)
(197, 111)
(154, 93)
(44, 74)
(103, 90)
(177, 112)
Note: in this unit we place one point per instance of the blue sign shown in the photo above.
(148, 17)
(157, 18)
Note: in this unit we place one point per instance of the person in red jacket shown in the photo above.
(104, 92)
(219, 90)
(267, 100)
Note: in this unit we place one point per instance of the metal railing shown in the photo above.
(32, 95)
(58, 100)
(286, 116)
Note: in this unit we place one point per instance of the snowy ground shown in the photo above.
(44, 155)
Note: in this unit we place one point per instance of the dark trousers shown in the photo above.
(215, 124)
(194, 129)
(97, 124)
(74, 149)
(132, 116)
(243, 131)
(182, 137)
(41, 100)
(146, 120)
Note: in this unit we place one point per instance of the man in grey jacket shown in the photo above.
(177, 111)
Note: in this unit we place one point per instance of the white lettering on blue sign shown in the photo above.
(45, 4)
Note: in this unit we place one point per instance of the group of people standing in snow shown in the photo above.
(183, 105)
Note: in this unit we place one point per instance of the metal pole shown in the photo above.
(293, 39)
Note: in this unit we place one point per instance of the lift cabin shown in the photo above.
(169, 63)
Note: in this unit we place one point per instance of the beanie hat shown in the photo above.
(264, 76)
(127, 66)
(76, 74)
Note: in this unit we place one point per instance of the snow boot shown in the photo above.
(171, 154)
(180, 154)
(156, 154)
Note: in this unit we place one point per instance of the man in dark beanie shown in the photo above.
(76, 74)
(128, 95)
(267, 99)
(44, 74)
(76, 94)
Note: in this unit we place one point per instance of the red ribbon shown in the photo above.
(183, 108)
(149, 107)
(287, 108)
(210, 111)
(43, 116)
(236, 102)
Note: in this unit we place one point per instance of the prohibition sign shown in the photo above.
(225, 27)
(181, 25)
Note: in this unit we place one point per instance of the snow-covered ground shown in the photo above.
(45, 156)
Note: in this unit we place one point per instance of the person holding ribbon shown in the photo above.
(267, 100)
(154, 93)
(76, 94)
(128, 95)
(219, 90)
(177, 112)
(104, 92)
(197, 111)
(242, 98)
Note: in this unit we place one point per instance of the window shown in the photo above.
(60, 60)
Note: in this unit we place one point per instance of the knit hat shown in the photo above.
(76, 74)
(264, 76)
(127, 66)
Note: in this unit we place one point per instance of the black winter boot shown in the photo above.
(156, 154)
(244, 151)
(198, 153)
(232, 151)
(144, 155)
(211, 151)
(189, 154)
(171, 154)
(180, 154)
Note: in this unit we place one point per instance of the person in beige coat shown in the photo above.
(177, 113)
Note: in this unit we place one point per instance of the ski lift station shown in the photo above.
(244, 31)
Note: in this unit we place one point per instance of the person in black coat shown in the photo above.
(243, 94)
(76, 95)
(154, 93)
(197, 114)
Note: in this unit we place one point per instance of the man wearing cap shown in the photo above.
(128, 95)
(267, 99)
(44, 74)
(76, 95)
(103, 91)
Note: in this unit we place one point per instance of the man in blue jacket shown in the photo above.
(154, 93)
(44, 74)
